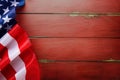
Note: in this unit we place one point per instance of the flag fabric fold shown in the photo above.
(17, 59)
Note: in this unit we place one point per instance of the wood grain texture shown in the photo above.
(67, 26)
(77, 48)
(80, 71)
(74, 38)
(65, 6)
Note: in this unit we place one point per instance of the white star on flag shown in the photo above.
(14, 3)
(5, 0)
(0, 26)
(0, 4)
(8, 27)
(6, 19)
(6, 10)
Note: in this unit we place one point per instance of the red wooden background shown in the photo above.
(74, 39)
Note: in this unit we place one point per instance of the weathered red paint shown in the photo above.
(67, 26)
(77, 48)
(74, 38)
(80, 71)
(62, 6)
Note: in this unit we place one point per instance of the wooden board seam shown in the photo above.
(85, 14)
(79, 61)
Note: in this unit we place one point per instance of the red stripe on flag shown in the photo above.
(33, 72)
(21, 37)
(22, 40)
(9, 72)
(19, 56)
(4, 60)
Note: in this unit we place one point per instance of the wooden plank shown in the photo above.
(77, 48)
(56, 6)
(67, 26)
(80, 71)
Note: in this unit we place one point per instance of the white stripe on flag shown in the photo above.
(13, 53)
(2, 77)
(19, 67)
(11, 44)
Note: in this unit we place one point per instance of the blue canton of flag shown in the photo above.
(7, 14)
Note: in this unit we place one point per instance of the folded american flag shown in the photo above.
(17, 60)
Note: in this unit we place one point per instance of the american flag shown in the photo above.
(17, 59)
